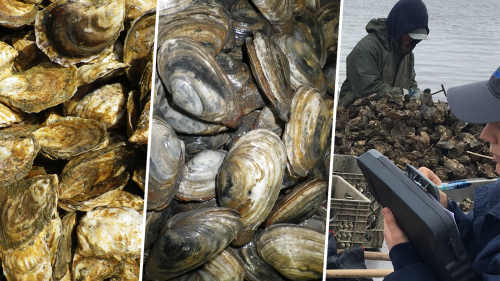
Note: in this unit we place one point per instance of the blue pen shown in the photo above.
(461, 184)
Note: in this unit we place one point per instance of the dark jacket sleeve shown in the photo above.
(407, 265)
(413, 82)
(363, 72)
(465, 227)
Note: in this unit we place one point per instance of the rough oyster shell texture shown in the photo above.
(253, 174)
(54, 67)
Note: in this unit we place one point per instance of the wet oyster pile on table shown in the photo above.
(419, 132)
(75, 84)
(240, 144)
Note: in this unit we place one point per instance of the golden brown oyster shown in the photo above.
(137, 44)
(29, 54)
(16, 158)
(27, 208)
(110, 233)
(70, 136)
(129, 200)
(136, 8)
(61, 268)
(16, 14)
(106, 105)
(7, 56)
(94, 269)
(9, 116)
(85, 170)
(141, 133)
(38, 88)
(70, 31)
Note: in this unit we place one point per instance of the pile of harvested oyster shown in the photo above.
(75, 83)
(419, 132)
(240, 140)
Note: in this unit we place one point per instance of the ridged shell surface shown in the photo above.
(256, 268)
(15, 14)
(165, 165)
(16, 158)
(277, 12)
(307, 29)
(249, 179)
(74, 31)
(296, 252)
(197, 82)
(190, 239)
(308, 134)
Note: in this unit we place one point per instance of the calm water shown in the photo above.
(462, 46)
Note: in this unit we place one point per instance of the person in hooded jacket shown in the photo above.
(480, 229)
(383, 62)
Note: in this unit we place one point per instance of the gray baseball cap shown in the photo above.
(477, 102)
(418, 33)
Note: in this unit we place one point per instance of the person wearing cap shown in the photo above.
(383, 62)
(479, 229)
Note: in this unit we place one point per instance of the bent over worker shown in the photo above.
(383, 62)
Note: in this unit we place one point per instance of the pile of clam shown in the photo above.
(75, 83)
(419, 132)
(240, 141)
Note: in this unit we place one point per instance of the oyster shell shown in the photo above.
(70, 136)
(15, 14)
(29, 54)
(140, 135)
(106, 105)
(7, 56)
(196, 81)
(26, 209)
(304, 65)
(165, 165)
(190, 239)
(85, 170)
(110, 233)
(299, 204)
(136, 8)
(16, 158)
(61, 268)
(250, 177)
(70, 32)
(92, 268)
(226, 266)
(308, 134)
(198, 176)
(272, 72)
(137, 44)
(296, 252)
(9, 116)
(129, 200)
(38, 88)
(166, 7)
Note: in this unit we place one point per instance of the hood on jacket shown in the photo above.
(379, 28)
(405, 16)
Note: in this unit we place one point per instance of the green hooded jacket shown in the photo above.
(376, 66)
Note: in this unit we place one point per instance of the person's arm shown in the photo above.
(363, 72)
(413, 82)
(407, 263)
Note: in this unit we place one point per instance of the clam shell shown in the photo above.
(329, 71)
(101, 194)
(165, 165)
(155, 220)
(70, 136)
(196, 81)
(328, 18)
(15, 14)
(26, 209)
(140, 38)
(190, 239)
(247, 124)
(16, 158)
(256, 268)
(269, 119)
(7, 56)
(196, 144)
(226, 266)
(206, 22)
(110, 232)
(250, 177)
(306, 28)
(106, 104)
(166, 7)
(246, 21)
(63, 259)
(88, 169)
(299, 204)
(198, 176)
(296, 252)
(304, 65)
(38, 88)
(276, 12)
(308, 134)
(272, 72)
(70, 32)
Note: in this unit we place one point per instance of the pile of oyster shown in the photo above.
(240, 141)
(75, 83)
(419, 132)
